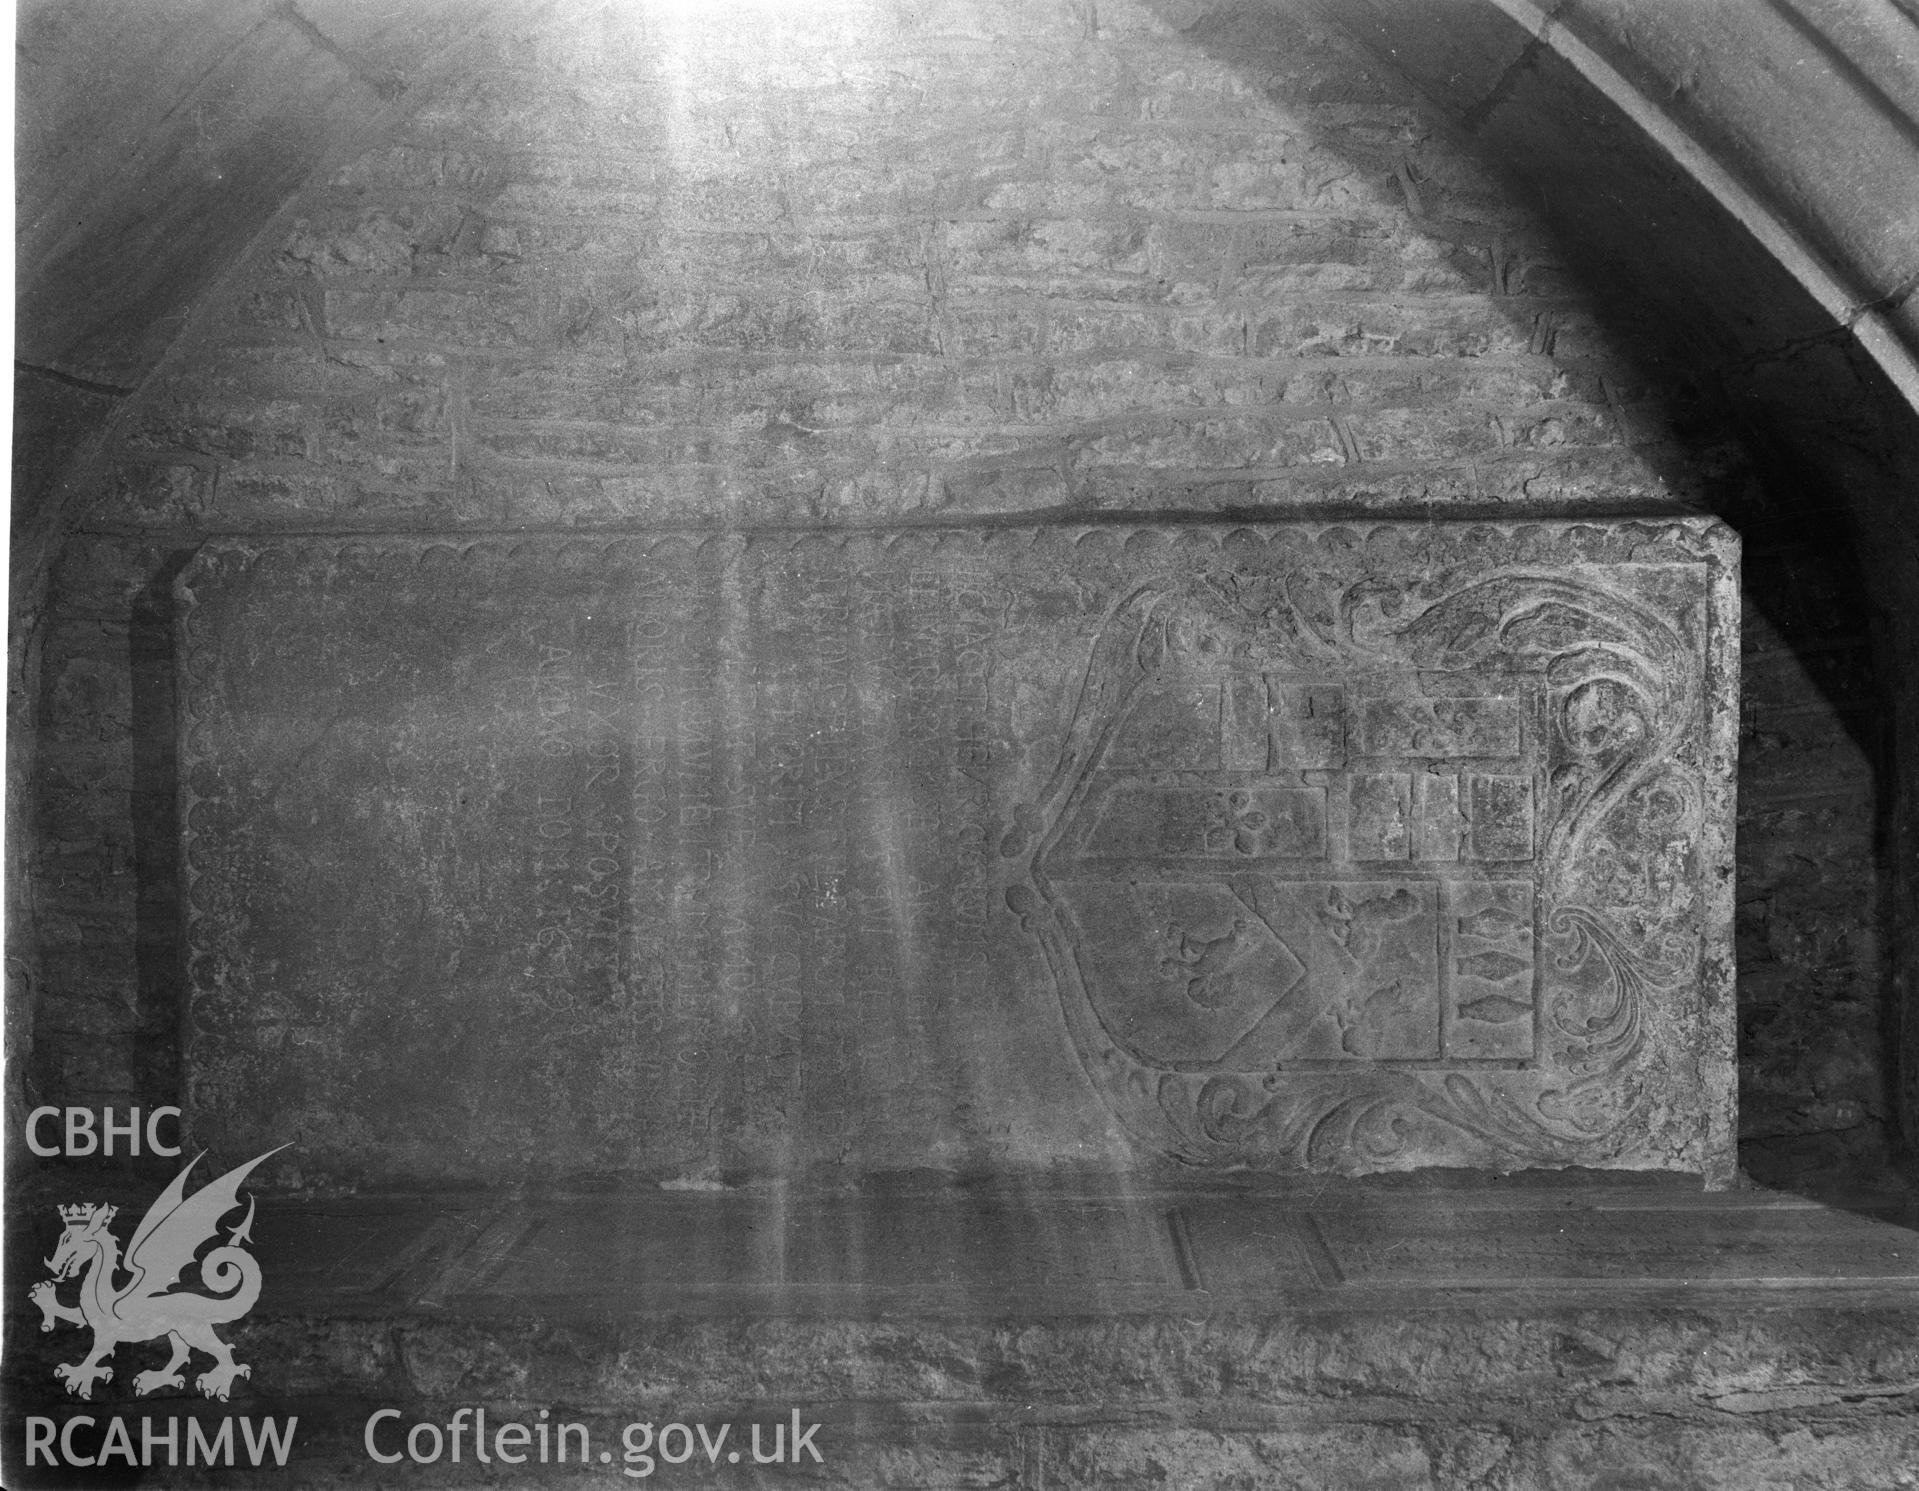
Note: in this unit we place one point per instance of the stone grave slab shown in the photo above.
(1254, 1246)
(794, 1253)
(1036, 1250)
(1341, 848)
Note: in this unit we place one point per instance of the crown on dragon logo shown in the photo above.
(85, 1211)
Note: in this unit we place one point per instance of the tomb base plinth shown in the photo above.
(1475, 1332)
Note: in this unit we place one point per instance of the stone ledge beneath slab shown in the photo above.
(993, 1335)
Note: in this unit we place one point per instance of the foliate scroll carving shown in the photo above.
(1351, 865)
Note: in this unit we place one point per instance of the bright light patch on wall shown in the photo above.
(703, 65)
(744, 12)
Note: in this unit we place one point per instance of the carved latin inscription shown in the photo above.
(1346, 848)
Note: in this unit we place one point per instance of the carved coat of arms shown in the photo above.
(133, 1297)
(1352, 861)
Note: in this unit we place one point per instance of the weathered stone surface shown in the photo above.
(1350, 848)
(1087, 1337)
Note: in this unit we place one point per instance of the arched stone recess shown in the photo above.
(608, 267)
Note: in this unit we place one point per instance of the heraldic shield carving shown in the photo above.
(1349, 866)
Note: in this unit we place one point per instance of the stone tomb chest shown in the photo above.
(1347, 848)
